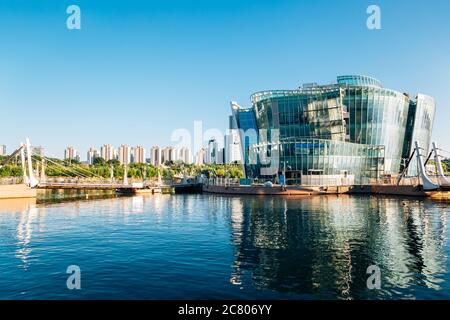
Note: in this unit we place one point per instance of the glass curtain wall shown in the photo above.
(327, 157)
(315, 112)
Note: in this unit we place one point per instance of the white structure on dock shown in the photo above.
(440, 181)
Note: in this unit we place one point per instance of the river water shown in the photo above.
(226, 247)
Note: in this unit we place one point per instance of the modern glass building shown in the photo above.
(354, 128)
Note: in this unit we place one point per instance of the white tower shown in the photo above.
(33, 182)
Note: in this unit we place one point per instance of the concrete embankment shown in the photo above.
(16, 191)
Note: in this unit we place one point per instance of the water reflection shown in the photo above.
(182, 246)
(322, 246)
(24, 231)
(28, 215)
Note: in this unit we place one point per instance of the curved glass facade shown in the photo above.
(315, 113)
(358, 81)
(333, 159)
(378, 116)
(364, 129)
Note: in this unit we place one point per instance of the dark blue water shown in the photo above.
(214, 247)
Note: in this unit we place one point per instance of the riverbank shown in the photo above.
(15, 191)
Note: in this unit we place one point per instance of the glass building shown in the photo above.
(353, 128)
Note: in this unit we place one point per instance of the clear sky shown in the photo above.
(137, 70)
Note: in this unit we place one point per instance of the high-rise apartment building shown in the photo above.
(201, 156)
(2, 150)
(91, 155)
(107, 152)
(124, 154)
(184, 154)
(155, 156)
(220, 159)
(71, 154)
(212, 151)
(232, 143)
(168, 154)
(138, 155)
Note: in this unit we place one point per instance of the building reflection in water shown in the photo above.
(322, 246)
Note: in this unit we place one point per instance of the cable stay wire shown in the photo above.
(79, 168)
(68, 169)
(62, 172)
(445, 151)
(61, 168)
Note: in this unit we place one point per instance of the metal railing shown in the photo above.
(321, 180)
(11, 180)
(225, 182)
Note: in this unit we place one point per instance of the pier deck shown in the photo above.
(402, 190)
(275, 190)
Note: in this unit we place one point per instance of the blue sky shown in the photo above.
(137, 70)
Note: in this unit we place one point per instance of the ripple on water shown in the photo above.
(207, 246)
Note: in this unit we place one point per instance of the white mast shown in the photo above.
(43, 170)
(33, 182)
(24, 169)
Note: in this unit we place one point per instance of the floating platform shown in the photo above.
(275, 190)
(17, 191)
(402, 190)
(408, 191)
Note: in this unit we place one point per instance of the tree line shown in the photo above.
(102, 168)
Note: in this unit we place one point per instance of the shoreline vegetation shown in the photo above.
(56, 168)
(106, 169)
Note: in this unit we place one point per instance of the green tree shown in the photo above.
(99, 161)
(446, 166)
(113, 162)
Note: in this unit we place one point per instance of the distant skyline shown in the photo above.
(138, 70)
